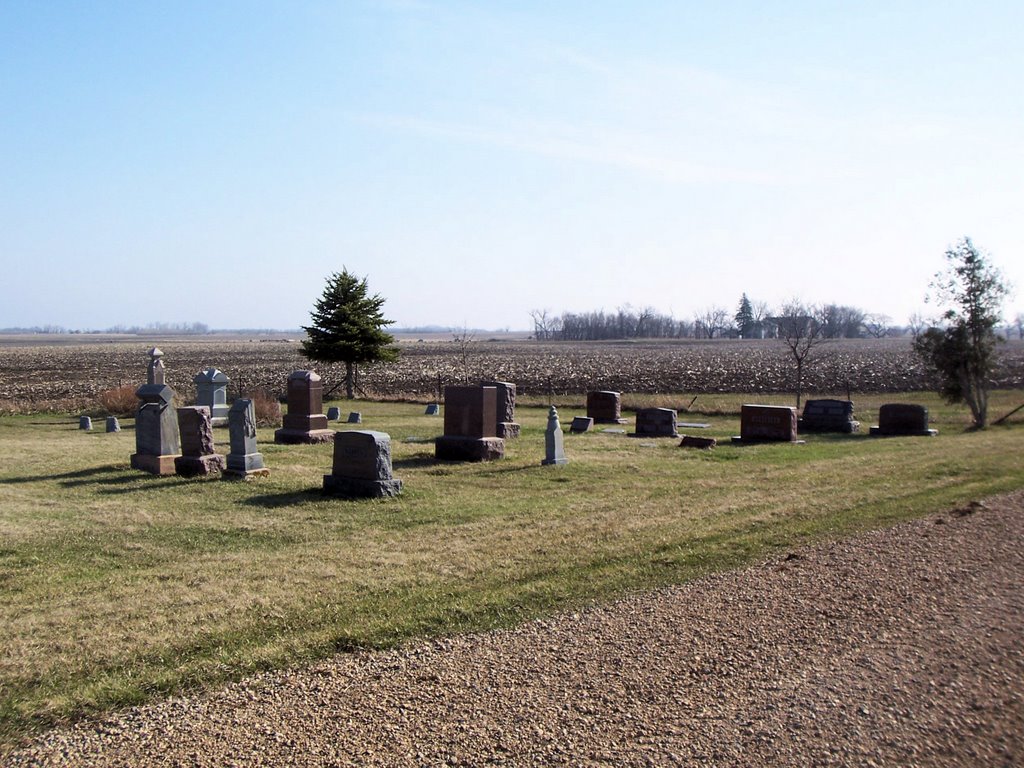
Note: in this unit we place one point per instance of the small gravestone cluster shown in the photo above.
(477, 421)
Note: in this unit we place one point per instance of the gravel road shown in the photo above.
(902, 647)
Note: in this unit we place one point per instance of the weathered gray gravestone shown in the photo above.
(902, 420)
(198, 455)
(157, 442)
(554, 441)
(84, 422)
(212, 391)
(605, 407)
(704, 443)
(354, 418)
(581, 424)
(656, 422)
(333, 413)
(828, 416)
(113, 425)
(304, 422)
(362, 466)
(244, 460)
(767, 423)
(505, 425)
(470, 424)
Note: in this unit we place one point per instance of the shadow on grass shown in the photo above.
(284, 499)
(415, 462)
(114, 473)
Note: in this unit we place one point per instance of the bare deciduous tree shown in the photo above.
(800, 329)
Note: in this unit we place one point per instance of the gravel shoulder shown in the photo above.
(898, 647)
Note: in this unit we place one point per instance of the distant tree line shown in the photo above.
(751, 320)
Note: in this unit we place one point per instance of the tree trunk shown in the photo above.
(349, 382)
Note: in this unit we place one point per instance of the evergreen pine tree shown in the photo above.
(348, 327)
(745, 318)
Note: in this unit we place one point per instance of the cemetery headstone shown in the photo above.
(113, 425)
(766, 424)
(334, 413)
(212, 391)
(828, 416)
(505, 427)
(902, 420)
(470, 425)
(157, 442)
(433, 409)
(656, 422)
(362, 466)
(198, 455)
(84, 422)
(605, 407)
(304, 422)
(244, 460)
(354, 418)
(581, 424)
(554, 441)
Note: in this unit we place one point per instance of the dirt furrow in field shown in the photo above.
(898, 647)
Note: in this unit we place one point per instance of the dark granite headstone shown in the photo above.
(334, 413)
(198, 455)
(828, 416)
(304, 422)
(767, 423)
(902, 419)
(470, 425)
(505, 407)
(244, 460)
(605, 407)
(354, 418)
(84, 422)
(433, 409)
(581, 424)
(362, 466)
(656, 422)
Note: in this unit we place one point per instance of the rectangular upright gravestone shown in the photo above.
(304, 422)
(656, 422)
(902, 419)
(212, 391)
(244, 461)
(198, 455)
(767, 423)
(362, 466)
(157, 443)
(505, 425)
(605, 407)
(828, 416)
(470, 425)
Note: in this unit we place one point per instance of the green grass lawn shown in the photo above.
(116, 586)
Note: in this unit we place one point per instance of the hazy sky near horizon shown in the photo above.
(216, 162)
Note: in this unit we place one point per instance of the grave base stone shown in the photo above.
(455, 448)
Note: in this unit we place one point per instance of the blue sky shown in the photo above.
(215, 162)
